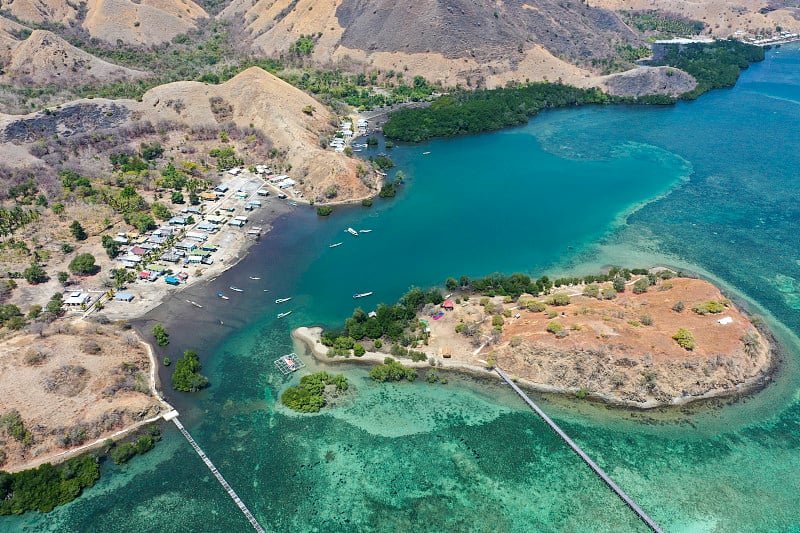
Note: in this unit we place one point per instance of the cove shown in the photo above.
(715, 185)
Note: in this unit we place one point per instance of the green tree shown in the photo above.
(619, 284)
(160, 211)
(111, 246)
(187, 376)
(451, 284)
(161, 335)
(77, 231)
(35, 274)
(324, 210)
(83, 264)
(63, 278)
(641, 285)
(177, 197)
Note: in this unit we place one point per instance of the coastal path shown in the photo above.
(588, 460)
(245, 511)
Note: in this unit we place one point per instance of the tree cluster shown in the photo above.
(187, 376)
(309, 395)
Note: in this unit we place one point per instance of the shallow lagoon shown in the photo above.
(468, 455)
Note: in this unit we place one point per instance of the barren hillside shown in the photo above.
(46, 58)
(142, 22)
(452, 42)
(723, 17)
(258, 98)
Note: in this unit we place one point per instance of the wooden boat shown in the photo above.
(222, 296)
(287, 313)
(281, 300)
(352, 232)
(237, 289)
(362, 294)
(334, 245)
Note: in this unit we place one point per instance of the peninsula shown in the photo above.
(643, 340)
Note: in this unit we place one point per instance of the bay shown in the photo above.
(709, 185)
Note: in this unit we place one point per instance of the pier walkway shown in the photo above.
(588, 460)
(219, 477)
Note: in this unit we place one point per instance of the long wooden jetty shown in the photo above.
(219, 477)
(588, 460)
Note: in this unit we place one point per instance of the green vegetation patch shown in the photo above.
(663, 24)
(391, 370)
(309, 395)
(46, 487)
(710, 307)
(714, 65)
(463, 113)
(685, 339)
(187, 376)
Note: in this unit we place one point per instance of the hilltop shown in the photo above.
(45, 58)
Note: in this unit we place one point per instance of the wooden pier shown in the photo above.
(588, 460)
(219, 477)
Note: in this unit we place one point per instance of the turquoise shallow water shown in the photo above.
(550, 196)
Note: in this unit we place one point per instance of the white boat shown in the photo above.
(237, 289)
(362, 294)
(281, 300)
(364, 230)
(334, 245)
(287, 313)
(195, 304)
(222, 296)
(254, 277)
(352, 232)
(425, 153)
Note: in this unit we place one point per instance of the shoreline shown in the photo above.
(309, 338)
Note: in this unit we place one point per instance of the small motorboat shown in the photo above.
(352, 232)
(425, 153)
(364, 230)
(334, 245)
(281, 300)
(195, 303)
(222, 296)
(254, 277)
(362, 294)
(237, 289)
(287, 313)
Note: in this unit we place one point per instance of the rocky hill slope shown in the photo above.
(45, 58)
(141, 22)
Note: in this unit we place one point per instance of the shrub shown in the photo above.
(559, 299)
(679, 306)
(711, 306)
(35, 274)
(77, 231)
(592, 290)
(324, 210)
(619, 284)
(358, 350)
(685, 339)
(641, 285)
(646, 320)
(366, 202)
(554, 326)
(536, 306)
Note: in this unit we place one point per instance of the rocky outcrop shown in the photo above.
(644, 81)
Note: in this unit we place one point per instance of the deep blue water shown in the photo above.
(716, 185)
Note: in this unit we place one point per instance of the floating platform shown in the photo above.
(289, 363)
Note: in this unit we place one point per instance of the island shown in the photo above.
(641, 340)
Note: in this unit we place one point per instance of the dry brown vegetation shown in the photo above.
(607, 348)
(78, 382)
